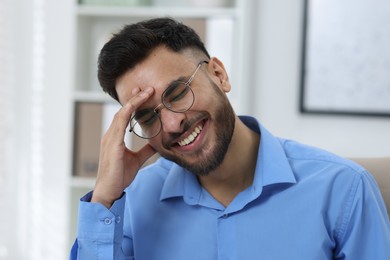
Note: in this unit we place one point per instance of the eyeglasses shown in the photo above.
(178, 98)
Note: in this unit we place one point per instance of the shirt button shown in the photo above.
(107, 221)
(225, 215)
(118, 219)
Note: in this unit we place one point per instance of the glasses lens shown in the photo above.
(178, 97)
(145, 123)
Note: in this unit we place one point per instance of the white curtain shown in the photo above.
(22, 47)
(7, 127)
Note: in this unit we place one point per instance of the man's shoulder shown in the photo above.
(310, 159)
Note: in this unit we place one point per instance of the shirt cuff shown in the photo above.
(97, 223)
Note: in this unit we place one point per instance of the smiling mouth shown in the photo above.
(191, 137)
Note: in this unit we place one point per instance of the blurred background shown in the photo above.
(52, 112)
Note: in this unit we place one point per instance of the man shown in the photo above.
(225, 188)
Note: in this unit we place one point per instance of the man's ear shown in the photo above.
(219, 74)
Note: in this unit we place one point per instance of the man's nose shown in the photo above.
(172, 122)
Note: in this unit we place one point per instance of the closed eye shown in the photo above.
(176, 92)
(146, 117)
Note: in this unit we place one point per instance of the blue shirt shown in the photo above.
(304, 203)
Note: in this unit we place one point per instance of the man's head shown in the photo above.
(198, 138)
(136, 41)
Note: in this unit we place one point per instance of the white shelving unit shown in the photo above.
(92, 28)
(154, 11)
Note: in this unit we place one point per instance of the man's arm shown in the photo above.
(119, 165)
(100, 231)
(100, 223)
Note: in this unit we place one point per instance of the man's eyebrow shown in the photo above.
(183, 79)
(142, 112)
(175, 82)
(145, 106)
(179, 79)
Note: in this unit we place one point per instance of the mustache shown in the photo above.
(172, 138)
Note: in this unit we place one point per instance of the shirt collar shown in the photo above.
(181, 183)
(272, 164)
(272, 168)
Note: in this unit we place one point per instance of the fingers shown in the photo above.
(122, 117)
(139, 97)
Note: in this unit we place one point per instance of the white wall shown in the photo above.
(277, 90)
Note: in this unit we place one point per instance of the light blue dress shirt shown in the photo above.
(304, 204)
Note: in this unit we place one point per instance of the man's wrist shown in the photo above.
(100, 199)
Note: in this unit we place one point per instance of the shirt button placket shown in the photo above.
(226, 234)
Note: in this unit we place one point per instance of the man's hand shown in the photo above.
(118, 165)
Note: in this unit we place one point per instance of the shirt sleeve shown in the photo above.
(364, 231)
(100, 231)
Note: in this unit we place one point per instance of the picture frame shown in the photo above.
(345, 67)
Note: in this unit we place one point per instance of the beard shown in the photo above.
(210, 159)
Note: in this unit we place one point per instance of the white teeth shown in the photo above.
(191, 137)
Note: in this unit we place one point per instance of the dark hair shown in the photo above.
(136, 41)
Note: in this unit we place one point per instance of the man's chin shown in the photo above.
(200, 165)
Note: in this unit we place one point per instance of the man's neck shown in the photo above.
(236, 172)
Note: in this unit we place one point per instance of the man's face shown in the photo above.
(197, 139)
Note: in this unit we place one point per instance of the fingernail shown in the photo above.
(149, 90)
(146, 92)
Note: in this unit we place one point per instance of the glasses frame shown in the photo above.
(163, 105)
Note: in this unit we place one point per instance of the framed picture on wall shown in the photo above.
(346, 57)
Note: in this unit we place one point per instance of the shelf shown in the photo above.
(151, 11)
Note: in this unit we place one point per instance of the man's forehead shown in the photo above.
(157, 74)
